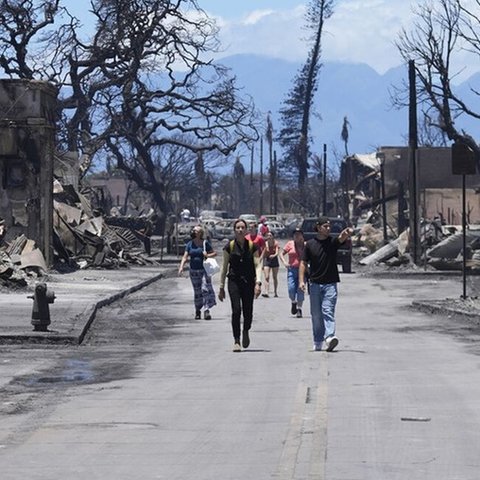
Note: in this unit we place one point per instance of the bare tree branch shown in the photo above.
(442, 30)
(144, 80)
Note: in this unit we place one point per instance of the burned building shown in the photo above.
(27, 140)
(439, 190)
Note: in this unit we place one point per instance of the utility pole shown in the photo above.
(463, 163)
(381, 159)
(324, 179)
(251, 164)
(261, 175)
(412, 154)
(275, 183)
(272, 176)
(464, 238)
(251, 200)
(269, 135)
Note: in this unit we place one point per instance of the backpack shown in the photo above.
(232, 244)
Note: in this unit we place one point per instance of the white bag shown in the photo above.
(210, 265)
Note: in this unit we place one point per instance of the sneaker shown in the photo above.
(265, 295)
(198, 314)
(299, 313)
(317, 348)
(331, 343)
(294, 308)
(237, 347)
(206, 315)
(245, 339)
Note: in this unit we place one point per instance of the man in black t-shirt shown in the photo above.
(320, 257)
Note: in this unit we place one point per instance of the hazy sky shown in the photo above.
(360, 31)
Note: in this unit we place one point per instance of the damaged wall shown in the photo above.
(439, 190)
(27, 136)
(448, 202)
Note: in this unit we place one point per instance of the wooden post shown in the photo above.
(412, 153)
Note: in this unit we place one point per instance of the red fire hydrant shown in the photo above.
(41, 312)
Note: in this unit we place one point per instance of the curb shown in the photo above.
(111, 299)
(393, 274)
(443, 310)
(88, 315)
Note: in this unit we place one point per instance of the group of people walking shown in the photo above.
(312, 263)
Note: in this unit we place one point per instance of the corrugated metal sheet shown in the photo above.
(369, 160)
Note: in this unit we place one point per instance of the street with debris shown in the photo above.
(152, 393)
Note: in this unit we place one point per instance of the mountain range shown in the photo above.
(355, 91)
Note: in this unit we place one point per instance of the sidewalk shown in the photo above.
(78, 296)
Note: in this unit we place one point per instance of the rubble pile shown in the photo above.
(441, 246)
(20, 261)
(90, 239)
(448, 254)
(82, 238)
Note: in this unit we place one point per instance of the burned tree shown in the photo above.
(441, 32)
(21, 23)
(294, 136)
(141, 82)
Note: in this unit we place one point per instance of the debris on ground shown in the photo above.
(20, 262)
(441, 247)
(82, 238)
(88, 238)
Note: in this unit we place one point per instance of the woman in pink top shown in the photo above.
(270, 263)
(294, 250)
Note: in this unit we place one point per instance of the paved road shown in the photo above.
(154, 394)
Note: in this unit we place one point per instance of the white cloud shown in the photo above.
(267, 32)
(256, 16)
(358, 31)
(364, 31)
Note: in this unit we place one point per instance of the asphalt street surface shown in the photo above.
(154, 394)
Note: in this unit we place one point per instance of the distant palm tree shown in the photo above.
(295, 114)
(344, 134)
